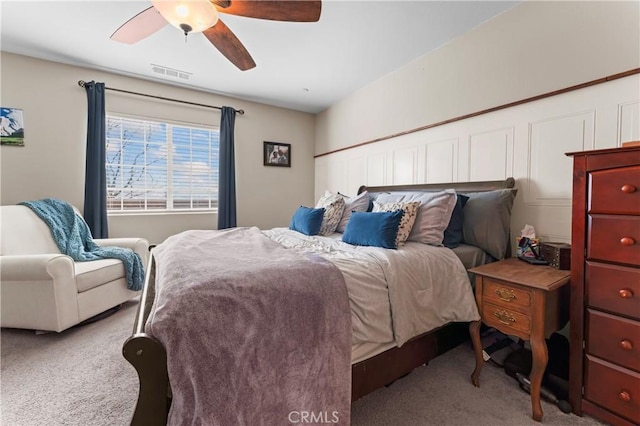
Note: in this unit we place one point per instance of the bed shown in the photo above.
(379, 354)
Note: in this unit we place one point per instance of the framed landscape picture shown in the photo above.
(11, 127)
(277, 154)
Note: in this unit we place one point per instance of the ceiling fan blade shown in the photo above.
(228, 44)
(140, 26)
(274, 10)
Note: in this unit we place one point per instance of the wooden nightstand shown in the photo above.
(523, 300)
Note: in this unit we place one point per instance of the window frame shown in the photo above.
(169, 210)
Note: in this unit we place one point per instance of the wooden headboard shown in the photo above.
(481, 186)
(462, 187)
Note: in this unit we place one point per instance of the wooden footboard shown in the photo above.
(149, 358)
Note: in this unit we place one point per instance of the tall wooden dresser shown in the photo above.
(604, 379)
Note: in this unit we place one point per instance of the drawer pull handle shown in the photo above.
(628, 189)
(504, 317)
(625, 396)
(625, 293)
(626, 345)
(506, 294)
(627, 241)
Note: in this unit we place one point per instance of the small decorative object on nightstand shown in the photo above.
(523, 300)
(557, 254)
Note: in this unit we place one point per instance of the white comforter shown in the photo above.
(394, 295)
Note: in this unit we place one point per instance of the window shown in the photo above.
(155, 166)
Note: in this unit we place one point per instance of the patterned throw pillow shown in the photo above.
(409, 212)
(333, 205)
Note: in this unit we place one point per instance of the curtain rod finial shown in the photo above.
(241, 111)
(81, 83)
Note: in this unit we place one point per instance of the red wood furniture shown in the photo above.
(519, 299)
(605, 285)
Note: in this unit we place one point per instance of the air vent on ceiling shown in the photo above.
(170, 72)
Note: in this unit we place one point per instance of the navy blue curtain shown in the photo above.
(227, 170)
(95, 182)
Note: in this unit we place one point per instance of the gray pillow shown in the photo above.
(359, 203)
(487, 220)
(433, 217)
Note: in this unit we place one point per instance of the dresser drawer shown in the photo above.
(505, 319)
(613, 288)
(506, 295)
(614, 339)
(616, 191)
(612, 387)
(614, 238)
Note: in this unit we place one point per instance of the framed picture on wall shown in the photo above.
(12, 127)
(277, 154)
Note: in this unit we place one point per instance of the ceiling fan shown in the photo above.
(193, 16)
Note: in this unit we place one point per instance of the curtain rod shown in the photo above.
(81, 83)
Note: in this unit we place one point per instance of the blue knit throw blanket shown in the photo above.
(73, 238)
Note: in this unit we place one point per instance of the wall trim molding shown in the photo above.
(493, 109)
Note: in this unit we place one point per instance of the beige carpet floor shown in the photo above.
(79, 378)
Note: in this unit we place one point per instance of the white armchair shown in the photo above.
(42, 289)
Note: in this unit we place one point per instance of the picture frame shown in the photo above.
(12, 126)
(276, 154)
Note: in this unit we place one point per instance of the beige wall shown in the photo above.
(534, 48)
(51, 164)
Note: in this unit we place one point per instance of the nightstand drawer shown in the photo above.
(615, 388)
(614, 238)
(508, 296)
(505, 319)
(613, 288)
(614, 339)
(616, 191)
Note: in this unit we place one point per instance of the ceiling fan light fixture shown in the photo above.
(192, 16)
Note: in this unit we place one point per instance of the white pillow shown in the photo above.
(333, 205)
(359, 203)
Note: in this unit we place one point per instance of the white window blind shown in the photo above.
(154, 166)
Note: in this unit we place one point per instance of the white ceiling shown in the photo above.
(302, 66)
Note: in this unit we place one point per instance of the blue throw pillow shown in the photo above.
(307, 220)
(453, 234)
(378, 229)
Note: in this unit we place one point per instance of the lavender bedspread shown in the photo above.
(255, 333)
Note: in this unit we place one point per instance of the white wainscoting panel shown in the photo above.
(441, 160)
(376, 169)
(550, 170)
(337, 179)
(405, 165)
(322, 177)
(491, 155)
(355, 174)
(629, 122)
